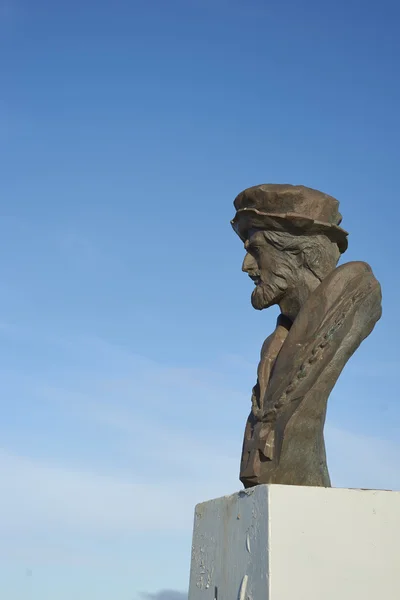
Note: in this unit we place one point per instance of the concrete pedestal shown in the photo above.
(277, 542)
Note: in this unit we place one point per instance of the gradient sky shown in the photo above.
(128, 346)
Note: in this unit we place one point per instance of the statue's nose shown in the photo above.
(249, 264)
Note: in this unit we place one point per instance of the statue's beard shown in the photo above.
(268, 294)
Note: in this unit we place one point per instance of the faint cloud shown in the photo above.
(358, 461)
(39, 496)
(136, 446)
(165, 595)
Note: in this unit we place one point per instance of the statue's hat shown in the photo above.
(292, 208)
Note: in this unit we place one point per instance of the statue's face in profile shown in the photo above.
(263, 263)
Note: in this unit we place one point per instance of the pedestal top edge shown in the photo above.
(295, 491)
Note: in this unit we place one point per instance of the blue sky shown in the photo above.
(128, 345)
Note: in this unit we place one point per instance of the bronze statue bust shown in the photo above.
(293, 240)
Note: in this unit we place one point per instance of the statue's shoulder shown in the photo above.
(341, 294)
(352, 269)
(337, 316)
(348, 275)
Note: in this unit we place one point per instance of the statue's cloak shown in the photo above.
(300, 363)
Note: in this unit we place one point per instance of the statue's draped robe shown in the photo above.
(300, 364)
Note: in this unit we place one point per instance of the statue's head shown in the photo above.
(291, 235)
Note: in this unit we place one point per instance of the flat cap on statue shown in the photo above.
(292, 208)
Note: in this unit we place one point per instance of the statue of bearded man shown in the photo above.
(293, 241)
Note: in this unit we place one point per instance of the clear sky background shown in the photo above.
(128, 345)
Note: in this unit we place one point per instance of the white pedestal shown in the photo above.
(277, 542)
